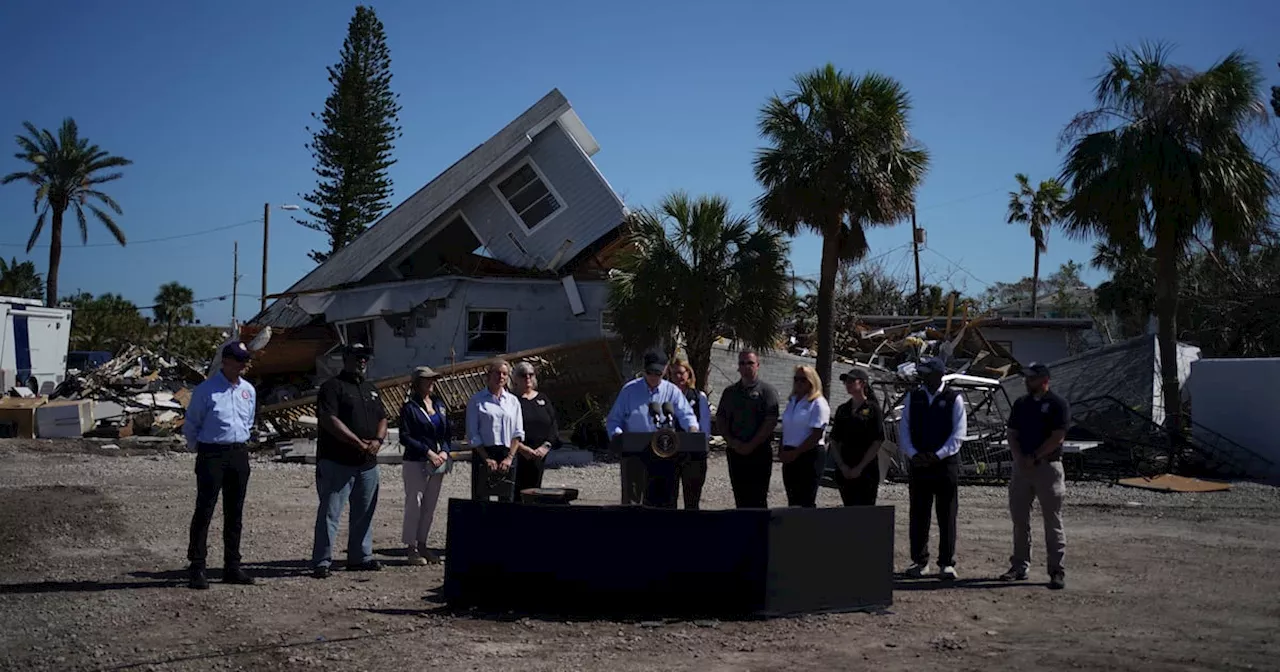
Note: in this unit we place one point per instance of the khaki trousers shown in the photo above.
(1045, 482)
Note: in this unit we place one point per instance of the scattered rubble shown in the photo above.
(139, 392)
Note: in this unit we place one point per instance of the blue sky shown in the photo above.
(211, 101)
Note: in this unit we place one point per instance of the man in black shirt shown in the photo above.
(747, 415)
(352, 429)
(1037, 428)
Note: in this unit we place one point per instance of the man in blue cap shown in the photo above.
(218, 422)
(631, 413)
(1037, 427)
(932, 430)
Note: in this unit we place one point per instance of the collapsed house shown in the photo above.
(507, 250)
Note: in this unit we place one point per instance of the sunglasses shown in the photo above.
(746, 363)
(800, 379)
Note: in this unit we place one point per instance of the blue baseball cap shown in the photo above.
(931, 365)
(236, 351)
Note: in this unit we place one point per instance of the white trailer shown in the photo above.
(33, 345)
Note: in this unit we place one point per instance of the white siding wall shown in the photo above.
(538, 316)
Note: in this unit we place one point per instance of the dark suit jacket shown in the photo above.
(417, 433)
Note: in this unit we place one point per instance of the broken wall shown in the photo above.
(537, 312)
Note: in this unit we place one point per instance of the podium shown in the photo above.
(650, 461)
(638, 561)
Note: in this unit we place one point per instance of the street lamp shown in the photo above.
(266, 234)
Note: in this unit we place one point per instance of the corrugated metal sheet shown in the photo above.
(381, 239)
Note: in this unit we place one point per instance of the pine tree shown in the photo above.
(353, 148)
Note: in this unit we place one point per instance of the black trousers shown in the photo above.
(937, 485)
(749, 476)
(862, 490)
(800, 477)
(632, 473)
(693, 475)
(225, 471)
(662, 482)
(486, 483)
(529, 472)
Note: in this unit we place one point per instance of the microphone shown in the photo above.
(655, 413)
(670, 412)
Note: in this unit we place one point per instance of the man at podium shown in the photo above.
(645, 405)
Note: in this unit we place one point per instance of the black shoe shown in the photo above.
(198, 581)
(320, 573)
(371, 566)
(1057, 581)
(1014, 575)
(237, 576)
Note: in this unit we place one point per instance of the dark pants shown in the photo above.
(800, 477)
(486, 483)
(225, 470)
(662, 482)
(693, 475)
(935, 485)
(749, 476)
(632, 474)
(862, 490)
(529, 472)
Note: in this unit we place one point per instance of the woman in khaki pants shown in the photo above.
(424, 433)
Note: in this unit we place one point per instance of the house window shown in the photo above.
(607, 325)
(529, 195)
(486, 332)
(358, 331)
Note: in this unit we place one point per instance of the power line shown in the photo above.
(121, 309)
(962, 269)
(145, 241)
(865, 260)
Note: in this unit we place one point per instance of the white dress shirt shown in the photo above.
(802, 417)
(494, 421)
(959, 425)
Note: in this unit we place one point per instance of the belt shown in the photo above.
(219, 447)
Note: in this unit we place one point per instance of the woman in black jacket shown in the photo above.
(424, 433)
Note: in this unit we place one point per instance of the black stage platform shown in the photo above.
(635, 561)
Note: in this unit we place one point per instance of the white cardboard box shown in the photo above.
(64, 418)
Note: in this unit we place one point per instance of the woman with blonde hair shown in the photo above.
(424, 433)
(803, 424)
(693, 468)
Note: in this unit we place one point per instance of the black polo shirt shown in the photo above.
(1035, 419)
(856, 429)
(358, 404)
(743, 409)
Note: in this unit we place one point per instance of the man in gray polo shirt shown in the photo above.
(747, 415)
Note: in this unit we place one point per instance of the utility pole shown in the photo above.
(266, 237)
(235, 278)
(915, 248)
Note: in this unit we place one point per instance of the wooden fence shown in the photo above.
(581, 379)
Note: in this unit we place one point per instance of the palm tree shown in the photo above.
(693, 270)
(66, 171)
(1163, 156)
(1038, 209)
(20, 280)
(841, 159)
(174, 307)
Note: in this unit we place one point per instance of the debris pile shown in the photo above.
(897, 348)
(139, 392)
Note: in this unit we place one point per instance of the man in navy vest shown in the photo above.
(931, 432)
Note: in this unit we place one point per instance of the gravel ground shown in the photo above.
(93, 544)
